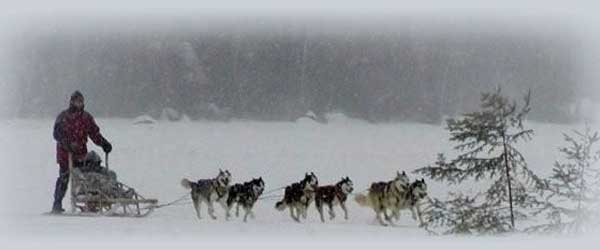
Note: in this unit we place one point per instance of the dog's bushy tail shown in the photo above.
(362, 200)
(280, 205)
(187, 184)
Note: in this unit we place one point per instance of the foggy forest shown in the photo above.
(389, 69)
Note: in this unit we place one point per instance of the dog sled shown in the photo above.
(95, 191)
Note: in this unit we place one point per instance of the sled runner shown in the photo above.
(95, 191)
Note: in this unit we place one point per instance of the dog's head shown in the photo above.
(419, 189)
(224, 178)
(346, 185)
(310, 181)
(401, 181)
(258, 186)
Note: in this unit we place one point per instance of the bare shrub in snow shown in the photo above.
(573, 194)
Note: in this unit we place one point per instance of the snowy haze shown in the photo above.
(399, 64)
(383, 75)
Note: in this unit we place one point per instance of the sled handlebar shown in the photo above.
(106, 160)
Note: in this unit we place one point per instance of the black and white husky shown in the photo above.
(417, 191)
(209, 191)
(332, 195)
(244, 194)
(298, 196)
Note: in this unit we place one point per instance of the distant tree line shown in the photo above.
(281, 70)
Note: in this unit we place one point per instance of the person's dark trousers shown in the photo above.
(60, 188)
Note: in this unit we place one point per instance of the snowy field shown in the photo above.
(154, 157)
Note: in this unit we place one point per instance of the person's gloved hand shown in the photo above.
(107, 147)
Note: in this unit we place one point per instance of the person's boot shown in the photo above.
(59, 192)
(57, 208)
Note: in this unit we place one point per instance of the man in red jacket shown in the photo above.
(72, 128)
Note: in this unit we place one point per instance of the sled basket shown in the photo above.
(95, 191)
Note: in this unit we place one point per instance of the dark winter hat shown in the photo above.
(76, 95)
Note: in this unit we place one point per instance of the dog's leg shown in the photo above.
(295, 213)
(378, 216)
(343, 205)
(387, 217)
(227, 213)
(376, 206)
(247, 210)
(413, 212)
(331, 212)
(385, 204)
(396, 213)
(227, 207)
(223, 203)
(291, 208)
(395, 208)
(418, 211)
(382, 207)
(320, 210)
(299, 211)
(237, 210)
(304, 210)
(211, 210)
(250, 211)
(196, 203)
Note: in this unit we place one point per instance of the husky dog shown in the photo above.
(298, 196)
(209, 191)
(332, 195)
(385, 195)
(416, 192)
(245, 194)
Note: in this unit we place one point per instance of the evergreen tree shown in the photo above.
(573, 196)
(486, 142)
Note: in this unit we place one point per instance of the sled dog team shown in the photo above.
(383, 197)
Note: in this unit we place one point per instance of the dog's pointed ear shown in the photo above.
(403, 173)
(423, 180)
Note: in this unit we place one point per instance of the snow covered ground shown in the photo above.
(154, 157)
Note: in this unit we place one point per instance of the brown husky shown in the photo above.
(383, 196)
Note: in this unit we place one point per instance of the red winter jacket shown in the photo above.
(72, 127)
